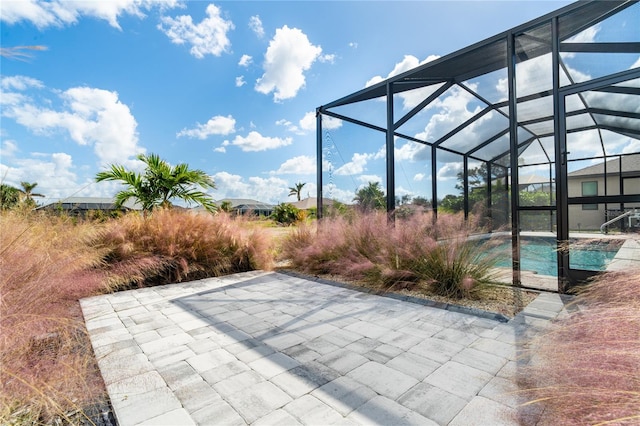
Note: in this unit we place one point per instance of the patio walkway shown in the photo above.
(271, 348)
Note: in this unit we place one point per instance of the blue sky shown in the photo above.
(227, 87)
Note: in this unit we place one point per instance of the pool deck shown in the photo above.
(267, 348)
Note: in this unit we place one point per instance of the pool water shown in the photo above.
(540, 255)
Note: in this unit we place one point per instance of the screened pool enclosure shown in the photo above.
(535, 130)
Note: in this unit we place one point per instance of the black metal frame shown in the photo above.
(506, 51)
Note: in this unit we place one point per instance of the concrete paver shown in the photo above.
(272, 348)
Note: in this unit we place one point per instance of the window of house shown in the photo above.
(590, 189)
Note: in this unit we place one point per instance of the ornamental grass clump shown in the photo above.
(587, 369)
(47, 370)
(173, 246)
(412, 252)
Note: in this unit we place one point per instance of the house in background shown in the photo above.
(311, 203)
(243, 206)
(80, 206)
(622, 176)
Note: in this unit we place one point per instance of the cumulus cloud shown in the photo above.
(356, 166)
(288, 56)
(419, 177)
(300, 165)
(308, 122)
(217, 125)
(221, 149)
(254, 141)
(8, 148)
(353, 45)
(240, 81)
(53, 172)
(413, 97)
(256, 26)
(365, 179)
(245, 61)
(209, 37)
(270, 190)
(58, 13)
(289, 126)
(449, 171)
(20, 82)
(90, 116)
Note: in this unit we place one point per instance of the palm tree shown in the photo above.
(371, 197)
(28, 194)
(296, 190)
(159, 184)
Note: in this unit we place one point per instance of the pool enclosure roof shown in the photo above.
(555, 93)
(533, 41)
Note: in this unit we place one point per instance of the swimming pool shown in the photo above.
(540, 254)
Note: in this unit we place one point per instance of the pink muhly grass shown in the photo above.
(173, 246)
(587, 370)
(46, 265)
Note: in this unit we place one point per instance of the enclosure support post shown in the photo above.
(434, 182)
(465, 185)
(559, 130)
(319, 163)
(391, 179)
(513, 149)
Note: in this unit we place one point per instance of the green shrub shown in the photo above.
(287, 214)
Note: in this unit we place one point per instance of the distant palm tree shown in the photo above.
(370, 197)
(28, 194)
(296, 190)
(159, 184)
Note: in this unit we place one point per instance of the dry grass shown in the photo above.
(173, 246)
(48, 369)
(587, 370)
(48, 372)
(416, 252)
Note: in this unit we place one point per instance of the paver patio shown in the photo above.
(270, 348)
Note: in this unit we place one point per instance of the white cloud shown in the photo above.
(221, 149)
(245, 61)
(327, 58)
(254, 141)
(217, 125)
(269, 190)
(308, 122)
(365, 179)
(636, 64)
(20, 82)
(288, 56)
(8, 149)
(290, 126)
(343, 195)
(207, 37)
(409, 98)
(353, 45)
(54, 174)
(449, 171)
(356, 166)
(58, 13)
(240, 81)
(301, 165)
(91, 117)
(419, 177)
(256, 26)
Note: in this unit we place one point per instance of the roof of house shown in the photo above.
(245, 202)
(630, 165)
(91, 203)
(310, 203)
